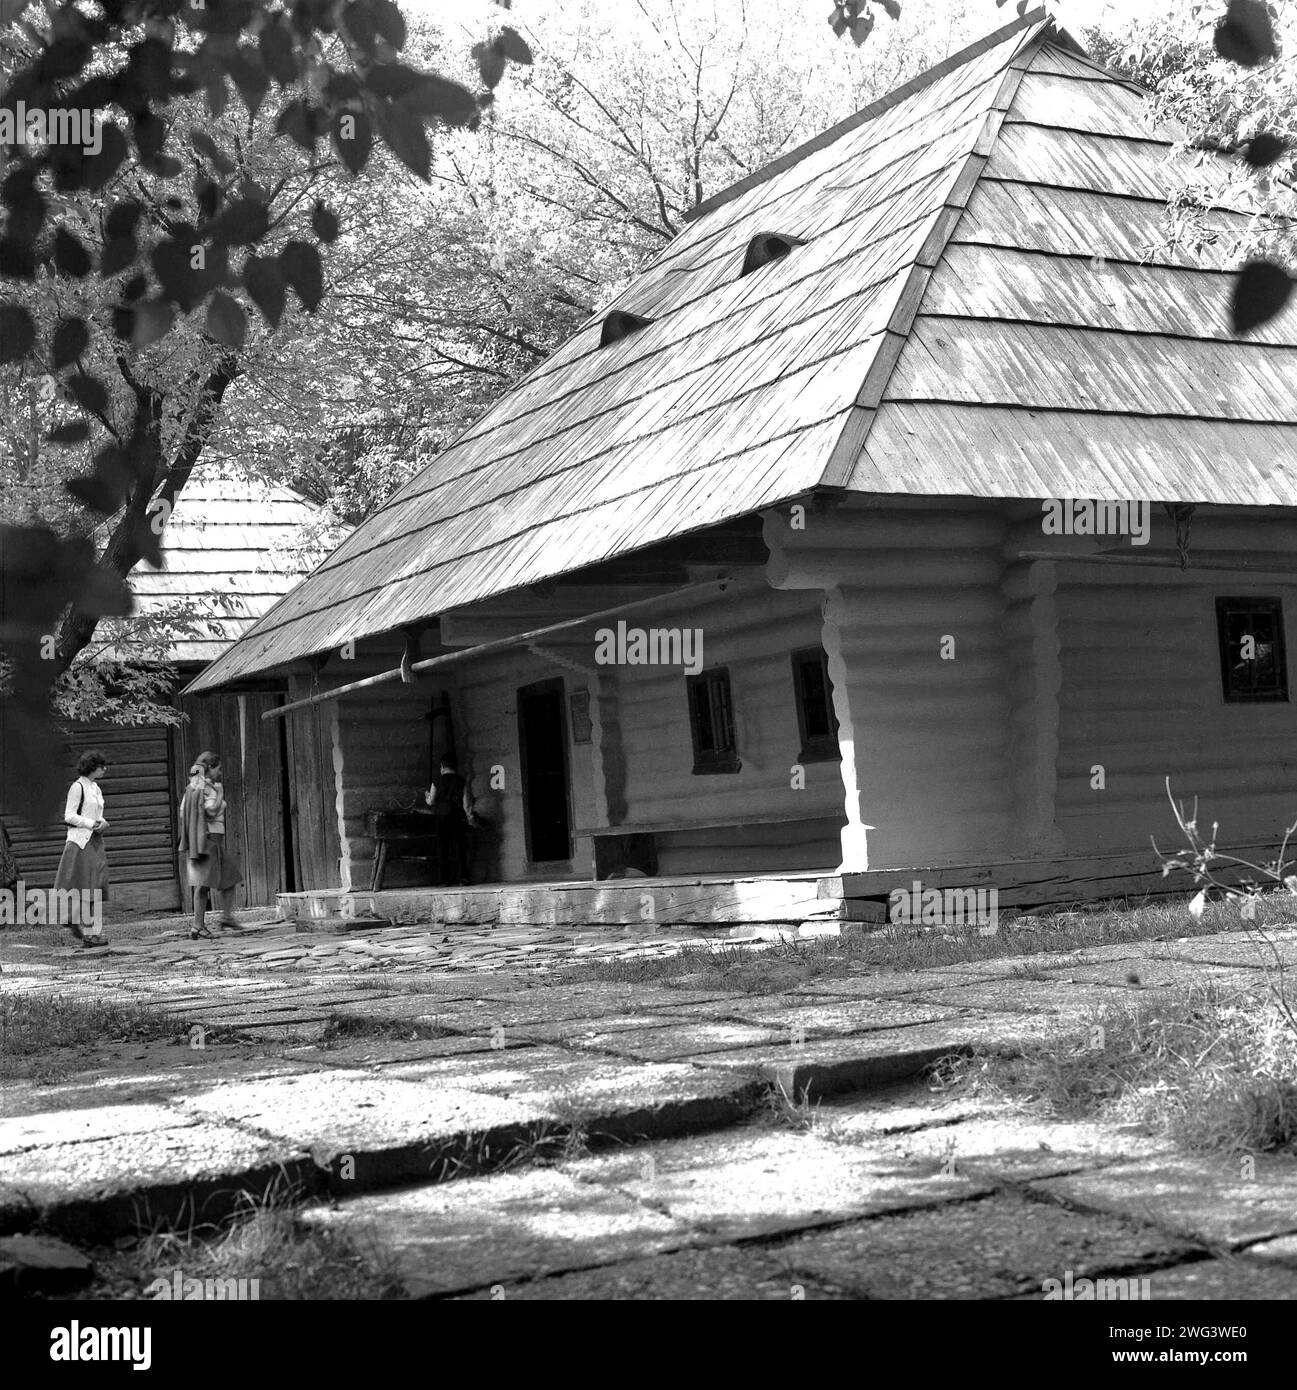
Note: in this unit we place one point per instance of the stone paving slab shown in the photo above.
(78, 1126)
(826, 1066)
(720, 1274)
(997, 1247)
(155, 1077)
(742, 1184)
(1203, 1199)
(1007, 1149)
(678, 1038)
(623, 1100)
(819, 1020)
(884, 983)
(1029, 996)
(481, 1231)
(1134, 975)
(393, 1130)
(1237, 949)
(106, 1187)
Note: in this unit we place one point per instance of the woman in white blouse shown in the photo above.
(84, 864)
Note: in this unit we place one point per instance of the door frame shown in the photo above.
(551, 685)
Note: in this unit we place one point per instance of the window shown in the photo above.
(618, 325)
(767, 247)
(711, 721)
(816, 722)
(1253, 667)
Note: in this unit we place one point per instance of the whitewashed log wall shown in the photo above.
(1141, 697)
(926, 741)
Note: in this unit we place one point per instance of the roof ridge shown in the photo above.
(861, 416)
(1039, 17)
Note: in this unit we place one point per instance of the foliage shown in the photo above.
(145, 243)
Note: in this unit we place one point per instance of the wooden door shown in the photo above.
(542, 739)
(252, 758)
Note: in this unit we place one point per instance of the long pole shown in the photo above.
(502, 644)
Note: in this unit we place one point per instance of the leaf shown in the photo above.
(514, 47)
(105, 595)
(225, 321)
(1260, 292)
(448, 101)
(74, 432)
(99, 168)
(1197, 905)
(324, 223)
(353, 138)
(1245, 35)
(118, 253)
(17, 333)
(95, 492)
(360, 25)
(295, 122)
(89, 393)
(389, 22)
(249, 77)
(1264, 149)
(211, 151)
(176, 274)
(392, 80)
(403, 133)
(490, 63)
(152, 321)
(301, 266)
(277, 53)
(70, 257)
(893, 8)
(264, 282)
(242, 223)
(71, 338)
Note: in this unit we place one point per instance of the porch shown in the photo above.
(816, 902)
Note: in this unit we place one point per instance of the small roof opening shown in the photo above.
(618, 325)
(766, 247)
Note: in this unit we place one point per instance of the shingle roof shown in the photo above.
(234, 547)
(943, 305)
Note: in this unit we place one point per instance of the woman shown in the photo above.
(212, 868)
(84, 865)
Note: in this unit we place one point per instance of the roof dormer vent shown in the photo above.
(767, 247)
(619, 324)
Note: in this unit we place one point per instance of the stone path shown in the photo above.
(618, 1140)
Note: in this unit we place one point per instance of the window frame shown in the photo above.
(814, 748)
(1246, 605)
(713, 761)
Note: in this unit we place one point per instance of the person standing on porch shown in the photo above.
(212, 868)
(452, 808)
(83, 866)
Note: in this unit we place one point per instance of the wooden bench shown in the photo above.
(411, 832)
(633, 845)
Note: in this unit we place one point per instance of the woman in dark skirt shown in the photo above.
(212, 868)
(84, 865)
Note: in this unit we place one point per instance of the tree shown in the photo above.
(109, 259)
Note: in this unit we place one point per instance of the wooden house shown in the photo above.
(913, 513)
(233, 548)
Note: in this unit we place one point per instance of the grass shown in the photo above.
(1208, 1069)
(32, 1027)
(779, 966)
(267, 1241)
(340, 1029)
